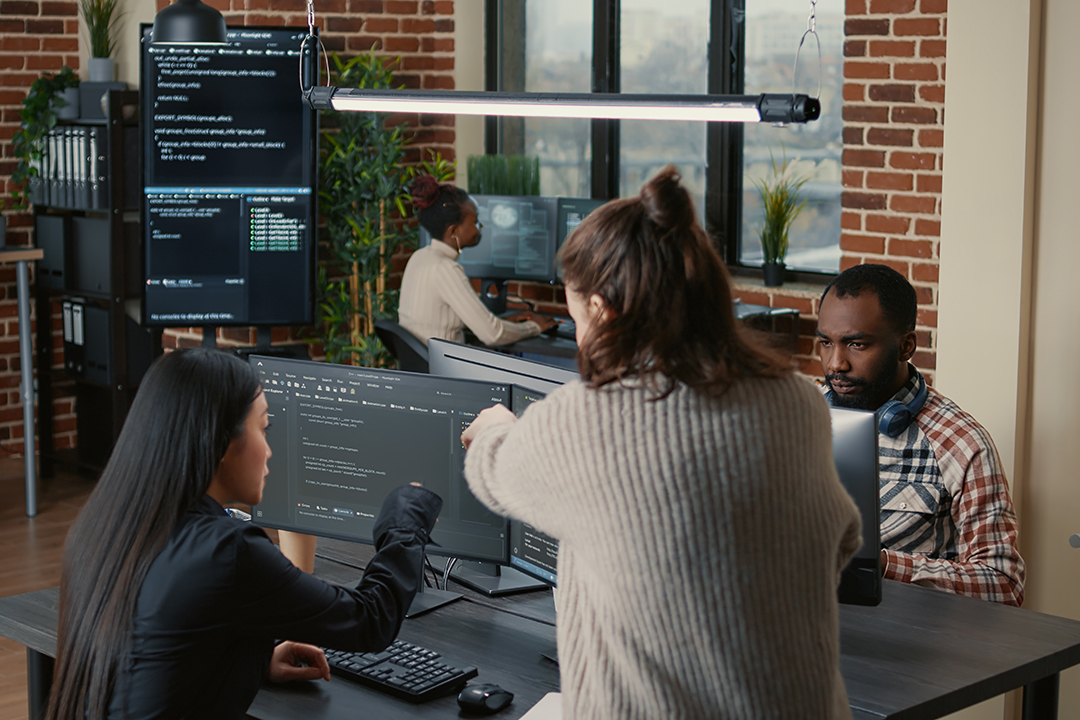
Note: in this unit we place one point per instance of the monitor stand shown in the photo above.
(494, 580)
(427, 599)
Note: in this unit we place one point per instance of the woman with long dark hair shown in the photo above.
(689, 480)
(436, 298)
(170, 608)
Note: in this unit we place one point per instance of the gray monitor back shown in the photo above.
(855, 452)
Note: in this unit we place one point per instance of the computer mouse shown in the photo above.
(484, 699)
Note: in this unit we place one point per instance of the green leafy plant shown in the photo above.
(781, 205)
(100, 17)
(504, 174)
(363, 185)
(38, 117)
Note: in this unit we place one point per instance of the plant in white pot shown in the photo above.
(102, 19)
(781, 204)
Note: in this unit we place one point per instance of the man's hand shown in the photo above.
(297, 661)
(492, 416)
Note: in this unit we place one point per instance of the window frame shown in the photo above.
(723, 143)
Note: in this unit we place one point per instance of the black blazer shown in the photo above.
(220, 594)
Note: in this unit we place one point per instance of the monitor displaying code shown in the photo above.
(229, 196)
(342, 437)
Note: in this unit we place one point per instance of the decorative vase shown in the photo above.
(100, 69)
(773, 274)
(71, 110)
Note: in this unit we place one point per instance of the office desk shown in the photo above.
(21, 256)
(921, 654)
(759, 316)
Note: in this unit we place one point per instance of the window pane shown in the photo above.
(663, 49)
(557, 48)
(773, 31)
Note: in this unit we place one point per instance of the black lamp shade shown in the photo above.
(188, 22)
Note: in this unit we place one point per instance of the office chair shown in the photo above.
(411, 354)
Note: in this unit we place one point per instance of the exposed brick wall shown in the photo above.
(39, 36)
(894, 101)
(35, 37)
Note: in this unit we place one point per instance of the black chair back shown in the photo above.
(411, 354)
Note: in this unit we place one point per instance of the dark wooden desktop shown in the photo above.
(920, 654)
(760, 317)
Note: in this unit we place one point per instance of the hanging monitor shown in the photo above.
(229, 181)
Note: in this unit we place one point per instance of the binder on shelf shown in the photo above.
(83, 144)
(99, 197)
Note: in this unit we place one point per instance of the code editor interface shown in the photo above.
(342, 437)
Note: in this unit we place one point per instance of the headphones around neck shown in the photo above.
(894, 417)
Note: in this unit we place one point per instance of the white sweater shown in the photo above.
(700, 546)
(437, 301)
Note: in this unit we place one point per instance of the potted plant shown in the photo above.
(100, 17)
(504, 174)
(363, 183)
(38, 117)
(781, 204)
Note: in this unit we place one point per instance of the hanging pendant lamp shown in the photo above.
(188, 22)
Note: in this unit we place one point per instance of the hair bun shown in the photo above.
(666, 201)
(425, 191)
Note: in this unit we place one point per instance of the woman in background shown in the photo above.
(169, 607)
(689, 480)
(437, 300)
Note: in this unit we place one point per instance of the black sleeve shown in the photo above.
(278, 600)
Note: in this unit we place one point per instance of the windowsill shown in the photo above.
(749, 284)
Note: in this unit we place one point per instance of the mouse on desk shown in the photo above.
(484, 699)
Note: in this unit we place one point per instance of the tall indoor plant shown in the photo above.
(101, 18)
(363, 190)
(781, 204)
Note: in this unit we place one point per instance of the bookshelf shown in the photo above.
(86, 220)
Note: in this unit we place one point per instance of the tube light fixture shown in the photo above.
(773, 108)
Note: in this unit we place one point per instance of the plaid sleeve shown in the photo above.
(986, 563)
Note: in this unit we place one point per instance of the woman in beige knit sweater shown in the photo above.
(690, 482)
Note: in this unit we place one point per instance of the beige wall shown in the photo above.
(1051, 510)
(132, 12)
(1008, 324)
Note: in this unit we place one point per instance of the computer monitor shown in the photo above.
(568, 215)
(453, 360)
(517, 240)
(343, 437)
(531, 381)
(230, 166)
(855, 452)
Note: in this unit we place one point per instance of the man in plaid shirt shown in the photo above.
(947, 519)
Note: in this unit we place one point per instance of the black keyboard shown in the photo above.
(566, 329)
(403, 670)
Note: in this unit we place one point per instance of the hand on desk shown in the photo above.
(543, 321)
(492, 416)
(298, 661)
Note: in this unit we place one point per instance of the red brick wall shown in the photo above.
(35, 37)
(894, 100)
(38, 36)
